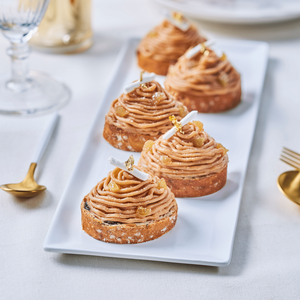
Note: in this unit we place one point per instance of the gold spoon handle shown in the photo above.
(30, 173)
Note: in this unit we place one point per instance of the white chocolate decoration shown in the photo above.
(183, 122)
(194, 51)
(182, 25)
(146, 78)
(135, 172)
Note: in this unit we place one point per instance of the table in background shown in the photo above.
(265, 262)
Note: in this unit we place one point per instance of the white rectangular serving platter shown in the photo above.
(205, 229)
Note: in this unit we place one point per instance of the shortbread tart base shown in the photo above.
(126, 233)
(197, 187)
(151, 65)
(124, 140)
(210, 103)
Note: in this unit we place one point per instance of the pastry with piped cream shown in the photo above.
(204, 81)
(192, 162)
(125, 209)
(139, 114)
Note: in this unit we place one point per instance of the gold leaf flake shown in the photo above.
(141, 75)
(129, 163)
(176, 124)
(206, 53)
(178, 16)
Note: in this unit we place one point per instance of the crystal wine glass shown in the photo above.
(25, 92)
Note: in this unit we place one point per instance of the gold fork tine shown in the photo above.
(297, 157)
(288, 159)
(289, 163)
(291, 160)
(286, 149)
(291, 155)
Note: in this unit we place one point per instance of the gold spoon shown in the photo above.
(28, 187)
(289, 184)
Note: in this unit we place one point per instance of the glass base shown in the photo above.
(45, 95)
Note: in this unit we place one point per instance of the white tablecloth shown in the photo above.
(266, 259)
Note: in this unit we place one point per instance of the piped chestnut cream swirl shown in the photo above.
(204, 74)
(192, 154)
(122, 198)
(145, 110)
(166, 42)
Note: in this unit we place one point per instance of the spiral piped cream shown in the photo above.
(132, 197)
(178, 157)
(166, 42)
(204, 74)
(145, 110)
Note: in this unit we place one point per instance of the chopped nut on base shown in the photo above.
(198, 142)
(223, 57)
(198, 124)
(143, 211)
(221, 146)
(223, 79)
(113, 187)
(157, 97)
(121, 111)
(148, 145)
(182, 111)
(152, 33)
(161, 184)
(166, 160)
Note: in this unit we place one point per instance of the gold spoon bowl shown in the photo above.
(27, 188)
(289, 184)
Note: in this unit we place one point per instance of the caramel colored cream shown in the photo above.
(203, 74)
(187, 155)
(145, 110)
(166, 43)
(122, 198)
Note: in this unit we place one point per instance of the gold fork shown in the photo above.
(292, 158)
(289, 182)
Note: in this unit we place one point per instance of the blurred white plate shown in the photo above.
(237, 11)
(205, 229)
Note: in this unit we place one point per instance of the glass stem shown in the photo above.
(20, 81)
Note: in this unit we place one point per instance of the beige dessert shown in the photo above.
(204, 82)
(192, 163)
(123, 209)
(140, 115)
(165, 44)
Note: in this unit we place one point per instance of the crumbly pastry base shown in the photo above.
(124, 140)
(210, 103)
(150, 65)
(184, 188)
(126, 233)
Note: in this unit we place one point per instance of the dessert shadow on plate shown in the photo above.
(244, 105)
